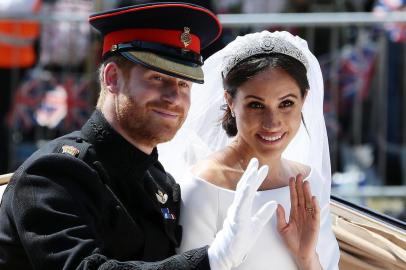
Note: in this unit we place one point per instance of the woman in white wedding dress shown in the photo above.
(271, 89)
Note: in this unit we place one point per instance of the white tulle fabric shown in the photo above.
(202, 133)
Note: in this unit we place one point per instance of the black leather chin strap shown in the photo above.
(179, 55)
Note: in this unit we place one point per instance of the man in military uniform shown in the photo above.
(98, 198)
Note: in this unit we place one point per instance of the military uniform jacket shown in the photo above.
(91, 200)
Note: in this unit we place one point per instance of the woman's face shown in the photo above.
(268, 112)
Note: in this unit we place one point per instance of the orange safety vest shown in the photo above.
(17, 39)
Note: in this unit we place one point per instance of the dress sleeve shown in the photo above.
(56, 229)
(199, 213)
(327, 245)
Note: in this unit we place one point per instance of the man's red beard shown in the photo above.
(141, 125)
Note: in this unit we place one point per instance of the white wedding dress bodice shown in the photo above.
(204, 207)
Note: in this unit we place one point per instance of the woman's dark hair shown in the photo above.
(252, 66)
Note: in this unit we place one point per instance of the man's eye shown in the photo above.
(185, 85)
(157, 78)
(286, 103)
(255, 105)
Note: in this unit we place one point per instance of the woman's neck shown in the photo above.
(240, 154)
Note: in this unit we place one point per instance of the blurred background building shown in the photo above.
(48, 72)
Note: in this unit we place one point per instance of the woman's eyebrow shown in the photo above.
(252, 96)
(288, 95)
(259, 98)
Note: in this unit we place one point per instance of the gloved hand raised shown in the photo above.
(241, 228)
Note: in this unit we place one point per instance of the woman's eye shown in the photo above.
(286, 103)
(255, 105)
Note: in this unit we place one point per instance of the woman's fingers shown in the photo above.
(309, 205)
(264, 214)
(247, 188)
(280, 218)
(316, 207)
(252, 167)
(239, 208)
(293, 195)
(307, 192)
(300, 194)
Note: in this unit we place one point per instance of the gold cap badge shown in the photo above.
(114, 48)
(185, 37)
(70, 150)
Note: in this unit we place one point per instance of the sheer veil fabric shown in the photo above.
(202, 133)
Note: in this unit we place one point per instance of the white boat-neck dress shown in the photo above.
(204, 208)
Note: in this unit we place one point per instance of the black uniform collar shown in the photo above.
(122, 155)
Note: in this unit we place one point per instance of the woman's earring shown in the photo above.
(232, 114)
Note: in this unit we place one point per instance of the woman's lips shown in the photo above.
(271, 139)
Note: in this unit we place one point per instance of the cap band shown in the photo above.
(188, 58)
(162, 36)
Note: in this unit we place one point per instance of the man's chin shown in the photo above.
(167, 132)
(155, 138)
(165, 139)
(152, 133)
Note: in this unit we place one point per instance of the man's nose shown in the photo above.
(171, 93)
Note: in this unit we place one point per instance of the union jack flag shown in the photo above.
(26, 100)
(53, 108)
(396, 31)
(55, 101)
(78, 102)
(356, 69)
(351, 78)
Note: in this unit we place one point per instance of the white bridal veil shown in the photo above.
(202, 133)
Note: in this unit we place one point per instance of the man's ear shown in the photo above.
(111, 77)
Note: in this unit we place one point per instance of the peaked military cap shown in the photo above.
(165, 37)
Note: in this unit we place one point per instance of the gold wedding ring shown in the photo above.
(309, 209)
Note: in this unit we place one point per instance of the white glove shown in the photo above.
(241, 228)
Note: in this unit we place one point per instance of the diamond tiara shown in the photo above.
(265, 45)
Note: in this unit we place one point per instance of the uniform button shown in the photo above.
(118, 207)
(79, 140)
